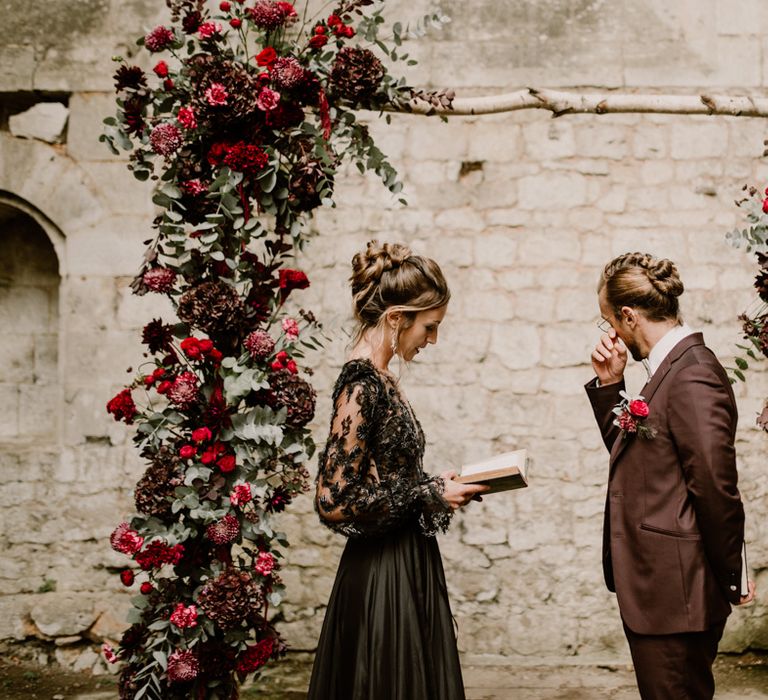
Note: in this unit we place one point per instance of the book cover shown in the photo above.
(503, 472)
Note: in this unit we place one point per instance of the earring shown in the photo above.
(393, 344)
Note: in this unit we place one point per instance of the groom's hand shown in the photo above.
(609, 358)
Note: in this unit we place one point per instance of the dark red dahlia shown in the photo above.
(290, 280)
(129, 78)
(183, 666)
(255, 656)
(278, 501)
(191, 22)
(159, 38)
(270, 15)
(287, 72)
(133, 114)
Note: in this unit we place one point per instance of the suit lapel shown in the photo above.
(654, 383)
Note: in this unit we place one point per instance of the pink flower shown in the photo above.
(195, 187)
(158, 39)
(265, 562)
(182, 666)
(240, 495)
(159, 279)
(627, 423)
(166, 139)
(187, 118)
(183, 391)
(287, 72)
(184, 617)
(109, 653)
(639, 408)
(291, 328)
(259, 344)
(216, 95)
(208, 29)
(268, 99)
(124, 539)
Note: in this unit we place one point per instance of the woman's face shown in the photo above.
(421, 332)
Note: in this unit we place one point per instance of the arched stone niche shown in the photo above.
(29, 313)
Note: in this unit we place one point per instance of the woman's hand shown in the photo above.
(458, 495)
(747, 599)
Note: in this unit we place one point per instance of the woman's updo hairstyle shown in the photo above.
(641, 281)
(390, 277)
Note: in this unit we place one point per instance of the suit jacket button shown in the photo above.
(733, 588)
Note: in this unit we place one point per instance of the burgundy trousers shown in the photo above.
(675, 666)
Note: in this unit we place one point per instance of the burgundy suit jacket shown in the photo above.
(674, 520)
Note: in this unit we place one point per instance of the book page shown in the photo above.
(506, 460)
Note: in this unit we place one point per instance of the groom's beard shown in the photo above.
(634, 350)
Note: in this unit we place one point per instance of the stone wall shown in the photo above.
(522, 211)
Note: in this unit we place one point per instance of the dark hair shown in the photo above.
(643, 282)
(389, 276)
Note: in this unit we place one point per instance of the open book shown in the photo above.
(502, 473)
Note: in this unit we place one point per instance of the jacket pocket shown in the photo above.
(670, 533)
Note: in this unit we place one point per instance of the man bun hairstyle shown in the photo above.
(644, 282)
(390, 276)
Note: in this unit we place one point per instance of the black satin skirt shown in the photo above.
(388, 632)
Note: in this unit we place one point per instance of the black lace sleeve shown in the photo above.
(364, 486)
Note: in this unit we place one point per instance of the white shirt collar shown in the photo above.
(664, 346)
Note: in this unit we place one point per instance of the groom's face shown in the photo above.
(626, 330)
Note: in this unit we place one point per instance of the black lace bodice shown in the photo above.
(370, 479)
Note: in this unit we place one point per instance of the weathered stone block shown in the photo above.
(699, 139)
(517, 346)
(44, 121)
(603, 141)
(62, 614)
(552, 189)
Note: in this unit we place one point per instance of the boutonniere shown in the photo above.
(631, 415)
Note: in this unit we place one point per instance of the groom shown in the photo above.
(674, 521)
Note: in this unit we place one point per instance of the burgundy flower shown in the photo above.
(290, 280)
(201, 435)
(255, 656)
(146, 588)
(184, 391)
(270, 15)
(166, 139)
(187, 118)
(157, 336)
(627, 423)
(287, 72)
(278, 501)
(259, 344)
(216, 95)
(122, 407)
(129, 78)
(126, 540)
(195, 187)
(158, 553)
(126, 576)
(133, 114)
(223, 531)
(159, 39)
(109, 653)
(159, 279)
(183, 666)
(246, 158)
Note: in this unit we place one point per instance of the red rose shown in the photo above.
(765, 206)
(334, 20)
(226, 463)
(235, 23)
(126, 577)
(122, 407)
(224, 6)
(277, 365)
(319, 29)
(187, 451)
(212, 453)
(215, 356)
(266, 57)
(201, 435)
(161, 69)
(146, 588)
(168, 84)
(638, 408)
(163, 387)
(291, 367)
(318, 41)
(191, 348)
(205, 346)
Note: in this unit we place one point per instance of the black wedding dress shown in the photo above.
(388, 632)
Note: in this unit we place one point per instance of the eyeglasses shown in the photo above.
(604, 325)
